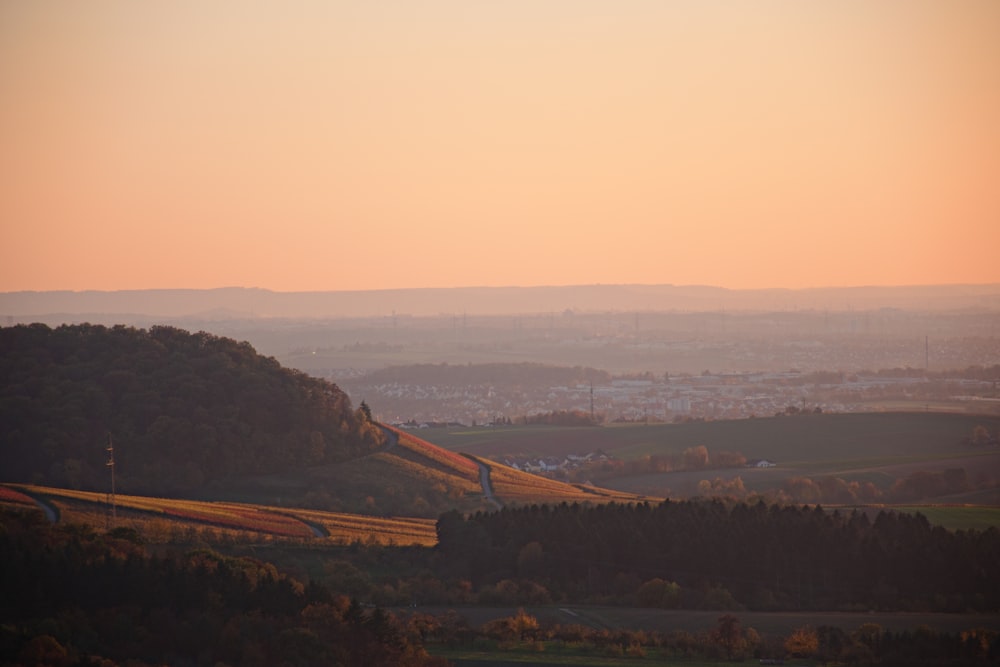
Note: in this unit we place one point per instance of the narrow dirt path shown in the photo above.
(50, 511)
(484, 480)
(317, 529)
(391, 438)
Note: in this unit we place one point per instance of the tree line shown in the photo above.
(712, 554)
(184, 410)
(76, 596)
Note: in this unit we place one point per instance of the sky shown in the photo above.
(326, 145)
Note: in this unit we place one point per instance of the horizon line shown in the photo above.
(504, 287)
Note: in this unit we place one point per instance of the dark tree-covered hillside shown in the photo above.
(71, 594)
(183, 409)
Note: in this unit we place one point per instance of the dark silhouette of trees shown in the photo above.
(185, 409)
(715, 555)
(71, 594)
(729, 635)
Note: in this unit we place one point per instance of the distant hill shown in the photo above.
(201, 416)
(150, 306)
(185, 411)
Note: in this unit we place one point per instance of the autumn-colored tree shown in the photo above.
(524, 624)
(695, 458)
(802, 643)
(519, 626)
(977, 642)
(732, 488)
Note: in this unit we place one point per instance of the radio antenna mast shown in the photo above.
(112, 500)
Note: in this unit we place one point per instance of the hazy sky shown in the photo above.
(374, 144)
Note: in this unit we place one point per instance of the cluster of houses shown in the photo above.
(569, 462)
(673, 398)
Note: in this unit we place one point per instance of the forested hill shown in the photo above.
(184, 410)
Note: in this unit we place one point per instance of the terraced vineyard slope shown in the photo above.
(159, 517)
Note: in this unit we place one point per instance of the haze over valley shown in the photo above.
(476, 333)
(660, 352)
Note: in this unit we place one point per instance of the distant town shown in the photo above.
(646, 397)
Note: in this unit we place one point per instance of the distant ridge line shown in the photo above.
(233, 303)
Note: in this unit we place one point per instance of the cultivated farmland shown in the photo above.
(164, 514)
(879, 449)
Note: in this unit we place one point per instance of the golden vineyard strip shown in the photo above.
(416, 470)
(511, 485)
(440, 456)
(401, 531)
(282, 522)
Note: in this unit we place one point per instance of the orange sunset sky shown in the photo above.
(326, 145)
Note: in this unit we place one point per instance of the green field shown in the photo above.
(897, 436)
(879, 448)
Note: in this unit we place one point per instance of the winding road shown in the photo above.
(484, 479)
(391, 438)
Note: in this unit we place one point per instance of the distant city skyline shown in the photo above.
(368, 146)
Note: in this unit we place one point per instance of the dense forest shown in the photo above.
(185, 410)
(73, 596)
(716, 555)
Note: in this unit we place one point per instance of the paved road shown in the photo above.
(484, 479)
(391, 438)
